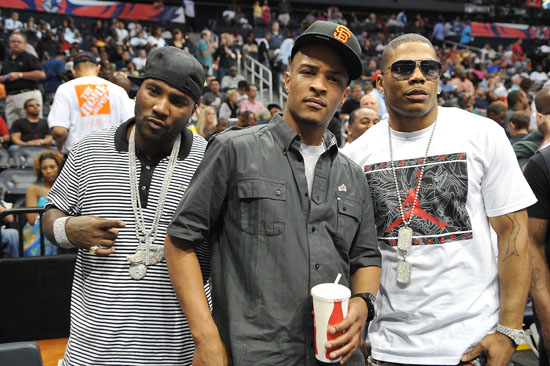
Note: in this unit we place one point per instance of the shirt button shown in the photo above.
(147, 167)
(317, 266)
(306, 194)
(143, 188)
(344, 208)
(278, 192)
(313, 229)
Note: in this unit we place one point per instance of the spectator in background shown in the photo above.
(10, 237)
(231, 81)
(155, 40)
(54, 68)
(497, 111)
(30, 131)
(47, 45)
(230, 109)
(276, 36)
(438, 34)
(13, 24)
(360, 120)
(241, 90)
(179, 41)
(223, 124)
(519, 126)
(462, 83)
(190, 15)
(206, 126)
(286, 49)
(140, 60)
(139, 40)
(266, 13)
(466, 34)
(250, 46)
(257, 15)
(251, 104)
(370, 101)
(353, 101)
(284, 13)
(86, 103)
(517, 101)
(214, 97)
(246, 119)
(21, 73)
(47, 166)
(4, 133)
(225, 55)
(205, 49)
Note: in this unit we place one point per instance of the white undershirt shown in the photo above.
(311, 155)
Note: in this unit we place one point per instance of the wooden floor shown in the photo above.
(52, 350)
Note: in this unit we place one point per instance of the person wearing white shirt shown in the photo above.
(155, 40)
(13, 23)
(538, 75)
(140, 60)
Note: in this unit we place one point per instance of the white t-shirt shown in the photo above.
(156, 42)
(452, 301)
(311, 155)
(87, 104)
(139, 62)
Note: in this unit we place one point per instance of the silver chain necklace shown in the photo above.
(404, 240)
(147, 253)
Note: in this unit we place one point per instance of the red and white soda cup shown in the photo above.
(330, 307)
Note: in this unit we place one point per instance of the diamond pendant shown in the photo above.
(137, 271)
(403, 271)
(404, 240)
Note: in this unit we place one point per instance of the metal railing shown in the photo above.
(257, 71)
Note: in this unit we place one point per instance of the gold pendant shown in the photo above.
(403, 271)
(404, 240)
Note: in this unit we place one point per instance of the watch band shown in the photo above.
(516, 335)
(370, 299)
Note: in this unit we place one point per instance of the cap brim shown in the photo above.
(136, 79)
(350, 58)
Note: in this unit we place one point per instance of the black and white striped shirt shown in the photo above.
(116, 320)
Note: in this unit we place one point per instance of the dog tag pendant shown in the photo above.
(404, 240)
(137, 271)
(403, 271)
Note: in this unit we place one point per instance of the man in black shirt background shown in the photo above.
(21, 73)
(31, 130)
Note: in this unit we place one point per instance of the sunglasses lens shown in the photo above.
(430, 69)
(403, 69)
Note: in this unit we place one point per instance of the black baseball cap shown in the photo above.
(84, 57)
(176, 67)
(338, 37)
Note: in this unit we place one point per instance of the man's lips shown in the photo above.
(417, 94)
(315, 102)
(155, 123)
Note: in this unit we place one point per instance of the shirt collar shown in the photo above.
(121, 141)
(285, 135)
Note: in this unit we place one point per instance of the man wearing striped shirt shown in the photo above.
(114, 200)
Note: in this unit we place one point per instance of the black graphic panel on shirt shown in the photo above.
(439, 215)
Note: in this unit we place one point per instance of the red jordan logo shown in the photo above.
(417, 211)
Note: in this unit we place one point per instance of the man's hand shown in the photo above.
(87, 231)
(352, 326)
(12, 76)
(212, 352)
(497, 347)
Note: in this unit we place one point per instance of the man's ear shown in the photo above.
(288, 76)
(346, 93)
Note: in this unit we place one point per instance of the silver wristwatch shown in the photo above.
(516, 335)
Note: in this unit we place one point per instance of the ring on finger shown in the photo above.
(93, 249)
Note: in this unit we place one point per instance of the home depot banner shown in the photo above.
(101, 9)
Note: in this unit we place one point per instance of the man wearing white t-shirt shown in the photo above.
(440, 179)
(86, 104)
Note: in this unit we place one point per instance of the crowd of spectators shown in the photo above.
(499, 79)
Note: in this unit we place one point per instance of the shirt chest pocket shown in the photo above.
(348, 220)
(262, 205)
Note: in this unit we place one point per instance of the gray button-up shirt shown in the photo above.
(271, 242)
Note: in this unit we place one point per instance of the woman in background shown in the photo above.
(46, 167)
(206, 126)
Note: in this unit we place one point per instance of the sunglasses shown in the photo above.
(403, 69)
(33, 105)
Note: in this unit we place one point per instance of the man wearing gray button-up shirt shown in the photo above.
(282, 211)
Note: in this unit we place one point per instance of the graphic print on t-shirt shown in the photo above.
(93, 99)
(439, 214)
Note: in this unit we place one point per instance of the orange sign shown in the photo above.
(343, 34)
(93, 99)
